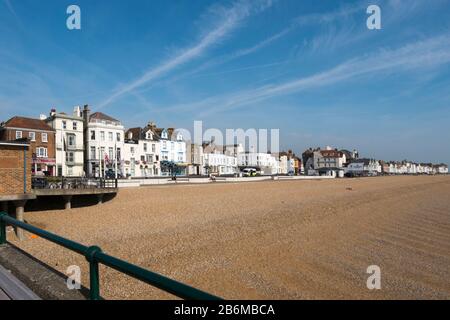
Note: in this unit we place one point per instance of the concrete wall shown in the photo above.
(12, 170)
(166, 181)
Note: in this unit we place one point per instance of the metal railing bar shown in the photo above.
(174, 287)
(66, 243)
(94, 255)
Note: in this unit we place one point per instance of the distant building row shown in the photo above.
(336, 162)
(85, 144)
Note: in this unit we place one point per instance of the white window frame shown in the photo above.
(44, 137)
(18, 134)
(32, 135)
(41, 152)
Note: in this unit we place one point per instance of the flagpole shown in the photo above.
(104, 163)
(99, 162)
(63, 153)
(115, 158)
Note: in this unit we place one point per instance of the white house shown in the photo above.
(328, 162)
(286, 164)
(194, 155)
(104, 143)
(219, 163)
(441, 168)
(267, 163)
(141, 152)
(172, 151)
(69, 139)
(364, 166)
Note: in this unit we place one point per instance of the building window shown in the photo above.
(64, 125)
(118, 136)
(44, 137)
(110, 153)
(102, 135)
(93, 153)
(18, 134)
(74, 126)
(132, 149)
(70, 157)
(110, 136)
(93, 135)
(145, 147)
(153, 148)
(164, 144)
(32, 136)
(41, 152)
(71, 140)
(118, 154)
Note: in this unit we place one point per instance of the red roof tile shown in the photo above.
(27, 123)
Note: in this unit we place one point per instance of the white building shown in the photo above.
(267, 163)
(286, 164)
(69, 140)
(172, 151)
(194, 155)
(283, 165)
(441, 168)
(218, 163)
(329, 162)
(141, 152)
(364, 166)
(104, 143)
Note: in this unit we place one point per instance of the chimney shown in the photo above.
(151, 125)
(77, 111)
(52, 112)
(86, 115)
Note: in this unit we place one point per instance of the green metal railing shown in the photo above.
(94, 256)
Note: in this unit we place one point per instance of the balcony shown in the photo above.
(77, 147)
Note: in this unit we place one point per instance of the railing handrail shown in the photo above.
(94, 256)
(72, 182)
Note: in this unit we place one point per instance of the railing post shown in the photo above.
(94, 289)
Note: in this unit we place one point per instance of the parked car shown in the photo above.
(111, 174)
(249, 172)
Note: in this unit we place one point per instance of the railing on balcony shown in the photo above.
(72, 183)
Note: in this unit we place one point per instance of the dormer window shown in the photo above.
(149, 135)
(179, 137)
(164, 135)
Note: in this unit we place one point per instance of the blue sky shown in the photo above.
(310, 68)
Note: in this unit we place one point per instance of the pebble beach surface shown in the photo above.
(266, 240)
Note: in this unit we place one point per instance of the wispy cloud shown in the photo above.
(229, 20)
(299, 21)
(423, 54)
(11, 9)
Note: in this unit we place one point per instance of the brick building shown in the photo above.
(15, 173)
(41, 138)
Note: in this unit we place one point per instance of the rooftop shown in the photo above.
(27, 123)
